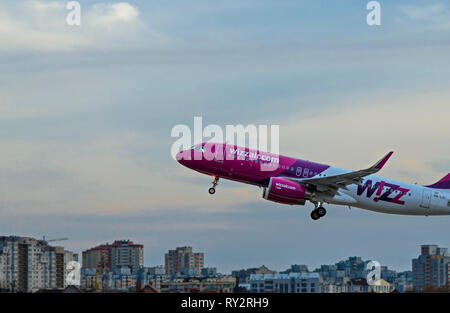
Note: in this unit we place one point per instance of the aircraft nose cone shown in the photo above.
(181, 157)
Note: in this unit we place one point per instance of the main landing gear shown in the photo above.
(318, 212)
(212, 190)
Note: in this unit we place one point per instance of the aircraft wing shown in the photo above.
(331, 184)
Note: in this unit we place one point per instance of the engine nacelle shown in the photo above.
(285, 191)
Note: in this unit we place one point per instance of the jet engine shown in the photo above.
(285, 191)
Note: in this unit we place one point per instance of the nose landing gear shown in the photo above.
(212, 190)
(318, 212)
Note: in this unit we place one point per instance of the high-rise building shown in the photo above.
(126, 254)
(62, 258)
(98, 257)
(431, 268)
(27, 264)
(119, 254)
(183, 261)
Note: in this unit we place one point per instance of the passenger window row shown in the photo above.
(299, 171)
(306, 172)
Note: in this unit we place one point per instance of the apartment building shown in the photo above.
(431, 268)
(183, 261)
(285, 283)
(27, 264)
(222, 284)
(119, 254)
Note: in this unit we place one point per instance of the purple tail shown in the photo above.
(444, 183)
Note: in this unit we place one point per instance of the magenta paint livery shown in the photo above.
(294, 181)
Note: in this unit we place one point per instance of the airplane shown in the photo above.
(293, 181)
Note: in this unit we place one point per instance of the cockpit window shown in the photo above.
(198, 148)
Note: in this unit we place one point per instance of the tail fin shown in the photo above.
(444, 183)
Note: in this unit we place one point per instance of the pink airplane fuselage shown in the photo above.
(260, 168)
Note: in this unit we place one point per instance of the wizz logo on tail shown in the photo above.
(379, 187)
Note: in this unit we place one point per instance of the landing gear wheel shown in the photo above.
(212, 190)
(314, 215)
(321, 211)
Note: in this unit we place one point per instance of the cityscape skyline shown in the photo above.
(32, 265)
(281, 268)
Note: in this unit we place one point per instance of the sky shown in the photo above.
(86, 114)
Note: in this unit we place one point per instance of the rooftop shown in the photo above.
(284, 276)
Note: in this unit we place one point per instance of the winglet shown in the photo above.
(383, 161)
(444, 183)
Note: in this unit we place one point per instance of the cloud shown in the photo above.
(424, 13)
(109, 15)
(38, 25)
(435, 15)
